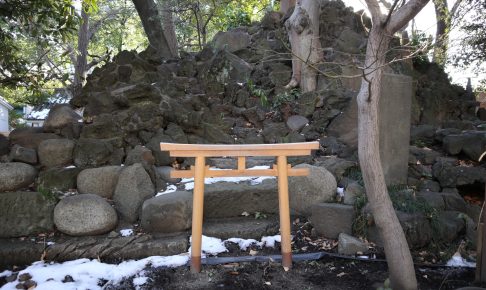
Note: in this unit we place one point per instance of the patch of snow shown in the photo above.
(458, 261)
(269, 242)
(50, 243)
(126, 232)
(5, 273)
(210, 246)
(139, 281)
(39, 115)
(71, 166)
(254, 180)
(87, 273)
(242, 243)
(170, 188)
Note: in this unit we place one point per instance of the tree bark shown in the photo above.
(443, 17)
(285, 5)
(80, 67)
(400, 263)
(169, 27)
(303, 27)
(152, 25)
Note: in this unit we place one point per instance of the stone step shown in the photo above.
(241, 227)
(106, 248)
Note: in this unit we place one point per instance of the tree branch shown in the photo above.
(404, 14)
(375, 11)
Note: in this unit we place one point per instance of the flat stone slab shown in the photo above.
(16, 252)
(241, 227)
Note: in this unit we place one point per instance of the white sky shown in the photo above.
(425, 21)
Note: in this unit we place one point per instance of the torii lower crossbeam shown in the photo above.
(200, 171)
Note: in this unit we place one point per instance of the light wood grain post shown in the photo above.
(283, 203)
(197, 213)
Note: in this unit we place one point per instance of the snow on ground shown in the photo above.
(458, 261)
(189, 182)
(87, 273)
(170, 188)
(126, 232)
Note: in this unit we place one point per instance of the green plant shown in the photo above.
(47, 193)
(285, 98)
(258, 92)
(259, 215)
(354, 172)
(360, 222)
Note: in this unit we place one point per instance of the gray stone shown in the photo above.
(306, 191)
(141, 155)
(116, 248)
(133, 188)
(227, 199)
(30, 139)
(176, 133)
(16, 175)
(167, 213)
(352, 191)
(349, 245)
(25, 213)
(454, 201)
(416, 227)
(450, 225)
(433, 199)
(471, 143)
(273, 132)
(98, 152)
(337, 166)
(16, 252)
(422, 132)
(58, 179)
(162, 158)
(296, 122)
(394, 126)
(164, 173)
(60, 116)
(473, 211)
(85, 214)
(241, 227)
(331, 219)
(22, 154)
(429, 185)
(425, 155)
(449, 175)
(100, 181)
(56, 152)
(471, 231)
(232, 41)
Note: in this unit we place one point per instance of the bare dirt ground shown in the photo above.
(326, 273)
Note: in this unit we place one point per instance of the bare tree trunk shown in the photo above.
(152, 25)
(303, 27)
(285, 5)
(169, 27)
(80, 67)
(443, 17)
(400, 264)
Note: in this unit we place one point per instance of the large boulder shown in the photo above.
(58, 179)
(168, 213)
(349, 245)
(59, 117)
(133, 188)
(30, 137)
(449, 174)
(331, 219)
(16, 175)
(22, 154)
(100, 181)
(98, 152)
(232, 41)
(471, 143)
(56, 152)
(305, 191)
(228, 199)
(85, 214)
(25, 213)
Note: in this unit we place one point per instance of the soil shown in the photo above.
(326, 273)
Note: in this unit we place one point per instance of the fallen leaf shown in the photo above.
(253, 252)
(341, 274)
(231, 265)
(235, 273)
(245, 213)
(268, 283)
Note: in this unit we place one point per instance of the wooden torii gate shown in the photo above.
(200, 171)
